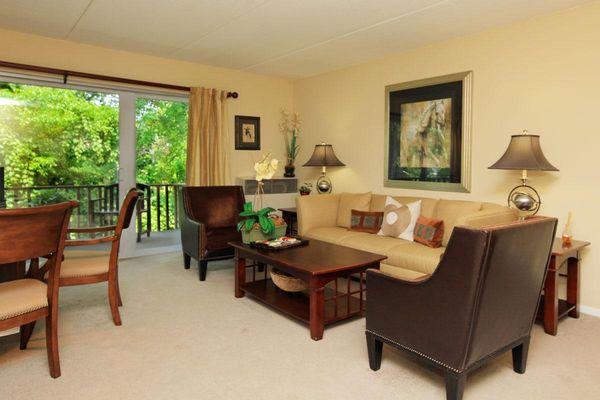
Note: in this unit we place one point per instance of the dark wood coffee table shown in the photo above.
(317, 264)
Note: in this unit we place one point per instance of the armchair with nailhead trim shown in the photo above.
(208, 220)
(480, 302)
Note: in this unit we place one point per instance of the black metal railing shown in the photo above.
(98, 204)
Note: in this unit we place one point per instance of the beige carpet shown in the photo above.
(183, 339)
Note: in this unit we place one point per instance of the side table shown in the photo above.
(551, 307)
(290, 217)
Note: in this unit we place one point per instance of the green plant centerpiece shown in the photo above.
(258, 223)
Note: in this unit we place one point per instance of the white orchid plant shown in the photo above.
(261, 219)
(266, 168)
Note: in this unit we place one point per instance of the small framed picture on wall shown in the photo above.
(247, 133)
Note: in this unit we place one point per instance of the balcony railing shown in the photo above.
(98, 204)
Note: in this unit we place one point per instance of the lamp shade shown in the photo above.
(323, 156)
(524, 153)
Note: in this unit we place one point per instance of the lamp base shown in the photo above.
(525, 199)
(324, 185)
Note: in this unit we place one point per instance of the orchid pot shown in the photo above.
(260, 225)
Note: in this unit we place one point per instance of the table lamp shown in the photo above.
(323, 156)
(524, 153)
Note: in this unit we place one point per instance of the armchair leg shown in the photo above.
(519, 355)
(186, 261)
(374, 348)
(26, 331)
(455, 385)
(203, 266)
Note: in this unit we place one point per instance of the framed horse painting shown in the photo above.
(428, 134)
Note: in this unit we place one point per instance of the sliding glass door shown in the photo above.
(60, 144)
(161, 126)
(92, 145)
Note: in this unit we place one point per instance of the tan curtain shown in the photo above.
(208, 139)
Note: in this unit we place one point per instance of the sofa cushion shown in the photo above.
(331, 234)
(372, 243)
(451, 211)
(402, 273)
(428, 206)
(349, 202)
(415, 257)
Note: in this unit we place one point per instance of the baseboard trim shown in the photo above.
(590, 311)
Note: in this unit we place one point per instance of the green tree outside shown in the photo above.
(51, 136)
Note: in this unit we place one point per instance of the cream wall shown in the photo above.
(541, 74)
(258, 95)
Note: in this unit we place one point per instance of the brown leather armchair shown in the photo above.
(480, 302)
(208, 221)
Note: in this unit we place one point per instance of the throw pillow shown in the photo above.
(399, 219)
(429, 231)
(349, 202)
(366, 221)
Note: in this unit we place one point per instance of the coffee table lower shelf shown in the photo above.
(297, 305)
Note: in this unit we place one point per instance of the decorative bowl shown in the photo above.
(287, 282)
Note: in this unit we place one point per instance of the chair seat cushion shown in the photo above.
(84, 263)
(21, 297)
(217, 238)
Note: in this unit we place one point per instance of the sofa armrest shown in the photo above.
(491, 215)
(316, 211)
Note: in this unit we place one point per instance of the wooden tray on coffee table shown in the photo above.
(317, 264)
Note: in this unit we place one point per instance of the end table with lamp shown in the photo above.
(524, 153)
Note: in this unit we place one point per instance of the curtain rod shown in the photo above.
(66, 74)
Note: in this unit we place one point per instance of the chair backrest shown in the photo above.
(489, 281)
(214, 206)
(27, 233)
(127, 209)
(512, 277)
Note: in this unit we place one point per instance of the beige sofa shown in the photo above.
(327, 218)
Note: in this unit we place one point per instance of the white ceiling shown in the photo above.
(288, 38)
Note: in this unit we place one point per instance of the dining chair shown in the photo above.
(86, 267)
(28, 234)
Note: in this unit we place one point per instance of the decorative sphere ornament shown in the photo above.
(525, 199)
(323, 185)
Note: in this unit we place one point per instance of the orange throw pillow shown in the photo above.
(365, 221)
(429, 231)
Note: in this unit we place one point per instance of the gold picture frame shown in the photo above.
(451, 95)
